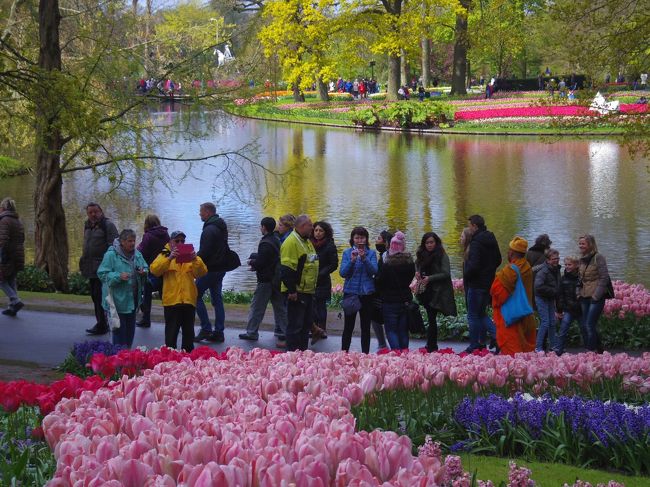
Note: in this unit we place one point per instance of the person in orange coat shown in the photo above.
(520, 336)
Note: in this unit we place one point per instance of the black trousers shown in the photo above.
(179, 317)
(96, 296)
(299, 320)
(432, 329)
(365, 314)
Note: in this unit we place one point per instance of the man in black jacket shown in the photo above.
(483, 260)
(212, 250)
(266, 264)
(99, 233)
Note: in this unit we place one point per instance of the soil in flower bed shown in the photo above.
(11, 370)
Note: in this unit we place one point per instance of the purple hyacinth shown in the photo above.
(83, 351)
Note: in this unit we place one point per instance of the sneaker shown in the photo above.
(9, 312)
(17, 307)
(97, 330)
(248, 336)
(143, 324)
(281, 344)
(203, 335)
(216, 337)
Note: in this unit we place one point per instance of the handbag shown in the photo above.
(415, 321)
(516, 306)
(113, 317)
(231, 261)
(609, 293)
(351, 304)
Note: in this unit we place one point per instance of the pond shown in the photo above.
(415, 183)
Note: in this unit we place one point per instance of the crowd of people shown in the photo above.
(294, 263)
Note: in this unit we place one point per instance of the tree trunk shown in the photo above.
(403, 69)
(393, 77)
(51, 239)
(468, 82)
(460, 52)
(426, 62)
(322, 90)
(298, 95)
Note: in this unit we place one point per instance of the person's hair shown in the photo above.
(386, 236)
(151, 221)
(268, 223)
(8, 204)
(421, 252)
(551, 252)
(465, 240)
(288, 220)
(572, 258)
(360, 231)
(93, 204)
(477, 220)
(126, 234)
(209, 206)
(543, 241)
(327, 228)
(591, 241)
(300, 219)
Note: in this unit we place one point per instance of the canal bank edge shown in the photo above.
(234, 110)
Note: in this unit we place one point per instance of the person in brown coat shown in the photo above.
(12, 254)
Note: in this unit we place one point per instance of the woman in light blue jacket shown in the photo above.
(358, 267)
(123, 272)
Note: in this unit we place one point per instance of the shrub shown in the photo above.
(33, 278)
(405, 115)
(78, 284)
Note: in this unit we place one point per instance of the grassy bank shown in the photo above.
(12, 167)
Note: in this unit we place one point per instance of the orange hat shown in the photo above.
(519, 244)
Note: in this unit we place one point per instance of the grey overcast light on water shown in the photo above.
(414, 183)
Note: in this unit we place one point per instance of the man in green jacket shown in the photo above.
(299, 263)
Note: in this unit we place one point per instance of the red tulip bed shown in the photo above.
(282, 419)
(540, 111)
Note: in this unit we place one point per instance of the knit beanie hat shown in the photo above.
(397, 243)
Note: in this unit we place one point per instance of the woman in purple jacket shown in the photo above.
(153, 241)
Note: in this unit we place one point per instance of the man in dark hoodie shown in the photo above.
(99, 234)
(266, 264)
(483, 260)
(212, 250)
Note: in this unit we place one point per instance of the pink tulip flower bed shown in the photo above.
(542, 111)
(263, 419)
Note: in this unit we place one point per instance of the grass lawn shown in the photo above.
(544, 474)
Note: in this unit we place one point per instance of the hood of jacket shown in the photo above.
(485, 238)
(400, 258)
(117, 248)
(160, 233)
(11, 214)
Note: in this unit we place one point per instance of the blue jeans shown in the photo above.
(591, 311)
(212, 281)
(125, 333)
(396, 325)
(477, 319)
(546, 311)
(565, 324)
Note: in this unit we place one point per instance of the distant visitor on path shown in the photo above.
(328, 261)
(213, 251)
(266, 264)
(99, 234)
(358, 268)
(12, 254)
(299, 275)
(153, 241)
(178, 271)
(594, 286)
(122, 272)
(520, 335)
(483, 259)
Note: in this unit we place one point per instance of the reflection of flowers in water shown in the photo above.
(603, 176)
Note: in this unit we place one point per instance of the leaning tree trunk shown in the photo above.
(51, 239)
(404, 75)
(460, 52)
(322, 90)
(426, 62)
(393, 77)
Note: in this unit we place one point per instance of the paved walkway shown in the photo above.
(45, 338)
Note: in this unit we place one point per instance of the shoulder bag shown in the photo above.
(516, 306)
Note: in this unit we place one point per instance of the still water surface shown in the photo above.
(415, 183)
